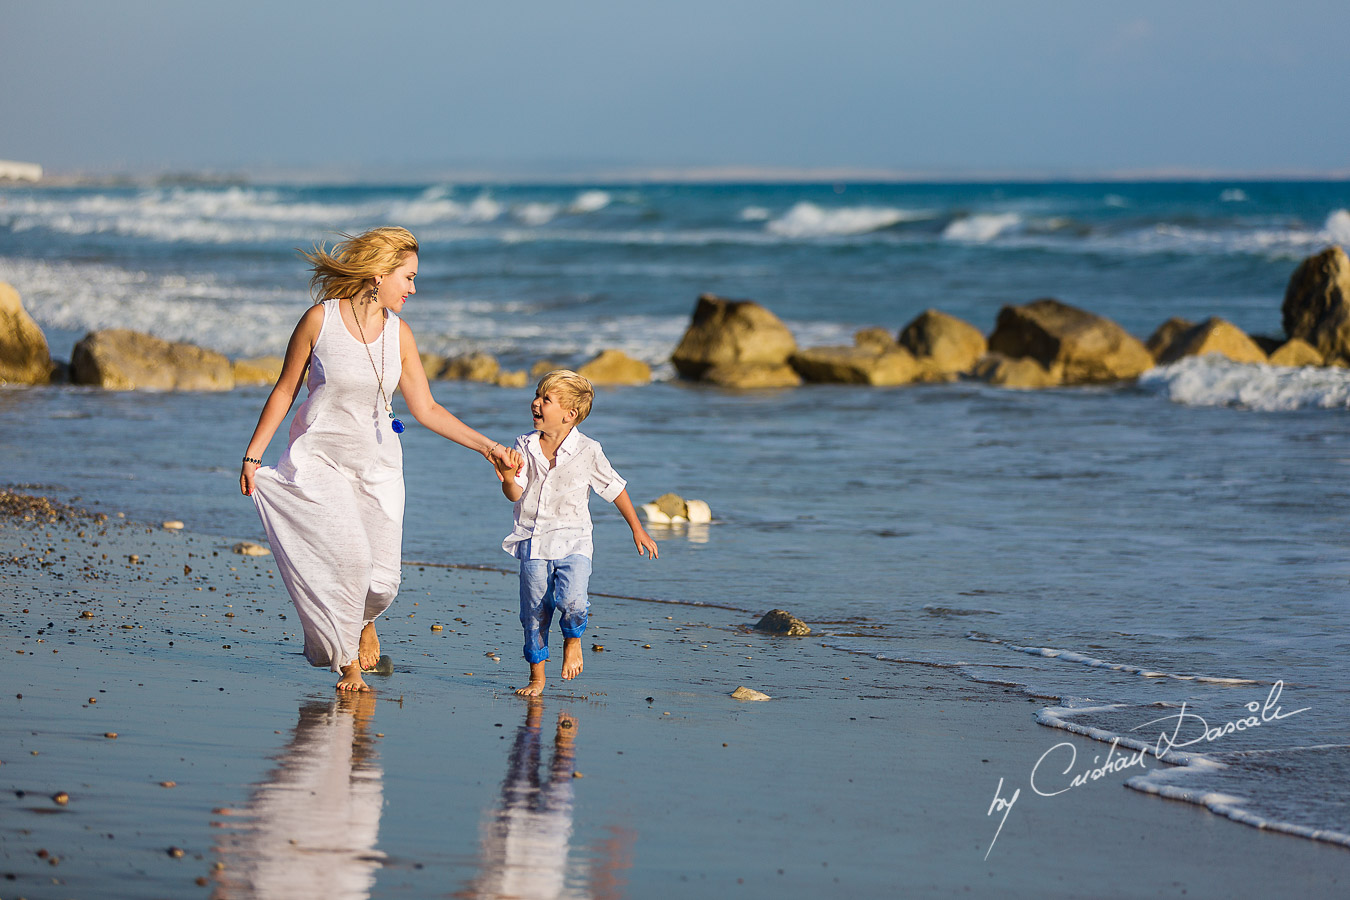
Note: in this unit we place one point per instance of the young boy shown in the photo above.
(552, 534)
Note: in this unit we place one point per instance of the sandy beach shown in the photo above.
(163, 737)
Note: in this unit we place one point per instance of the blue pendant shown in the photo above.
(397, 426)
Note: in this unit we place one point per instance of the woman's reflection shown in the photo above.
(311, 827)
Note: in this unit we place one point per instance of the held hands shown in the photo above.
(506, 460)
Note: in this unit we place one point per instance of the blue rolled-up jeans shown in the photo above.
(549, 584)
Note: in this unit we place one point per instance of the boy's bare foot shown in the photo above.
(536, 685)
(368, 651)
(572, 659)
(351, 679)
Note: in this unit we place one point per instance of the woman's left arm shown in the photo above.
(425, 409)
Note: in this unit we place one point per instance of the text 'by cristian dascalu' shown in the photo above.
(1050, 779)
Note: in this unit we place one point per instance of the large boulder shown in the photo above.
(748, 376)
(1315, 305)
(856, 365)
(1022, 373)
(24, 356)
(481, 367)
(874, 338)
(616, 367)
(259, 370)
(731, 332)
(1073, 345)
(1214, 335)
(125, 360)
(1165, 335)
(944, 345)
(1295, 353)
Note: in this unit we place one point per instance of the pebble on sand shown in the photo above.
(60, 798)
(173, 525)
(111, 735)
(249, 548)
(168, 784)
(745, 693)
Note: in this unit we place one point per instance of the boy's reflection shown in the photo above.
(312, 826)
(526, 840)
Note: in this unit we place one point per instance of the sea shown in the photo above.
(1162, 565)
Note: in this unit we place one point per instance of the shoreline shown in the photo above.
(869, 778)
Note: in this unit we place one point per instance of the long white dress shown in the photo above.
(333, 505)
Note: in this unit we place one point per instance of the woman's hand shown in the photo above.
(246, 478)
(505, 460)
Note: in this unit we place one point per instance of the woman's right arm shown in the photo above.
(284, 391)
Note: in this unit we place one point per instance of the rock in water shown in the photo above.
(944, 345)
(614, 367)
(1073, 345)
(672, 505)
(118, 359)
(731, 332)
(384, 666)
(779, 621)
(745, 693)
(260, 370)
(1295, 353)
(1316, 305)
(856, 365)
(1214, 335)
(24, 356)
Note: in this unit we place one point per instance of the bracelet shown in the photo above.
(256, 462)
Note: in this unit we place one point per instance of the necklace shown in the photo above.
(379, 373)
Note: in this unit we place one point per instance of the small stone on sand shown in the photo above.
(173, 525)
(111, 735)
(60, 798)
(745, 693)
(435, 627)
(168, 784)
(175, 852)
(248, 548)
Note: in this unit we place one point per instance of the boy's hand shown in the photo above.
(507, 461)
(645, 544)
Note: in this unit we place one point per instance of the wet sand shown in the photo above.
(236, 771)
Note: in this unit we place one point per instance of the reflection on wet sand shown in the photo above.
(526, 840)
(310, 829)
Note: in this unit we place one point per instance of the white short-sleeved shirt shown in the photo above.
(554, 513)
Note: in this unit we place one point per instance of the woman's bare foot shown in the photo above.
(368, 650)
(351, 679)
(536, 685)
(572, 661)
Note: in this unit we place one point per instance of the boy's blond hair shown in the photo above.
(572, 391)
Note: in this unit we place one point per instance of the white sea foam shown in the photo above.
(1234, 195)
(807, 220)
(589, 202)
(1217, 381)
(536, 213)
(1337, 227)
(982, 227)
(1094, 662)
(755, 214)
(1172, 783)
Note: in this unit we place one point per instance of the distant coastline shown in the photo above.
(616, 174)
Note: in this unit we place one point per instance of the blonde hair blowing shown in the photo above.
(572, 390)
(349, 269)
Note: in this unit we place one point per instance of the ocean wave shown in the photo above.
(1092, 661)
(1216, 381)
(982, 227)
(807, 220)
(589, 202)
(1233, 195)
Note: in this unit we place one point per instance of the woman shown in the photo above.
(333, 505)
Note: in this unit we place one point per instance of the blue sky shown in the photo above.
(1036, 86)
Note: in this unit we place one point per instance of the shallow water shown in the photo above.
(1099, 548)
